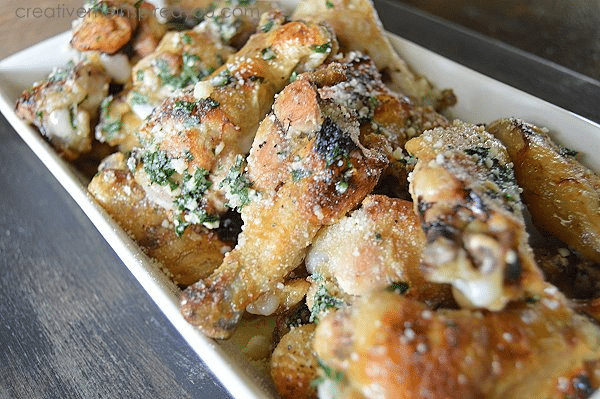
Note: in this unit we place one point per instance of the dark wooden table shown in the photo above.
(73, 321)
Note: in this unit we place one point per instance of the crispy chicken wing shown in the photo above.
(376, 246)
(358, 28)
(186, 259)
(308, 169)
(294, 364)
(111, 24)
(562, 195)
(388, 346)
(192, 141)
(467, 198)
(64, 105)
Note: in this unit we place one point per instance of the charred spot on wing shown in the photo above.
(477, 205)
(332, 142)
(437, 229)
(513, 271)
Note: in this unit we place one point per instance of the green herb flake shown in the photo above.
(399, 287)
(268, 25)
(329, 4)
(299, 174)
(223, 78)
(293, 76)
(139, 75)
(158, 167)
(111, 128)
(322, 48)
(237, 185)
(268, 54)
(187, 39)
(323, 300)
(184, 106)
(60, 74)
(138, 99)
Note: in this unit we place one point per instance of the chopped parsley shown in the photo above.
(237, 186)
(268, 54)
(158, 167)
(327, 373)
(322, 48)
(100, 7)
(111, 128)
(328, 4)
(323, 300)
(186, 38)
(399, 287)
(293, 76)
(59, 74)
(191, 71)
(138, 99)
(139, 75)
(185, 106)
(223, 78)
(268, 25)
(298, 174)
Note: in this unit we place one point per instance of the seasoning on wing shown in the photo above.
(468, 200)
(562, 195)
(308, 169)
(358, 28)
(64, 105)
(388, 346)
(193, 139)
(375, 247)
(185, 259)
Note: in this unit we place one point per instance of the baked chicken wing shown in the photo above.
(562, 195)
(468, 201)
(388, 346)
(64, 105)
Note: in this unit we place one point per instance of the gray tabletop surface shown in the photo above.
(74, 323)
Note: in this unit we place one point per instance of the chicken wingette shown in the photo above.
(358, 28)
(64, 105)
(109, 25)
(388, 346)
(307, 169)
(192, 140)
(562, 195)
(376, 247)
(465, 193)
(185, 259)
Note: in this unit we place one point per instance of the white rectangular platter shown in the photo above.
(481, 99)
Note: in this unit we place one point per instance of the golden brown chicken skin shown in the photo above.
(185, 259)
(358, 28)
(65, 104)
(562, 195)
(388, 346)
(111, 24)
(376, 247)
(294, 364)
(308, 169)
(465, 193)
(193, 139)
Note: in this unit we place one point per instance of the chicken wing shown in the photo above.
(111, 24)
(562, 195)
(193, 139)
(358, 28)
(308, 169)
(388, 346)
(64, 105)
(294, 364)
(465, 193)
(185, 259)
(377, 246)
